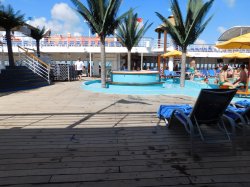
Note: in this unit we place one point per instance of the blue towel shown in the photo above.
(235, 109)
(167, 72)
(244, 103)
(166, 111)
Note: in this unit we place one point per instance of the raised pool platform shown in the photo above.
(135, 78)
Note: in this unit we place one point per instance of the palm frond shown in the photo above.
(198, 20)
(172, 30)
(101, 15)
(37, 33)
(129, 33)
(177, 16)
(10, 19)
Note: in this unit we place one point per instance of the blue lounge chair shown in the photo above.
(240, 113)
(167, 73)
(211, 73)
(204, 72)
(165, 111)
(209, 110)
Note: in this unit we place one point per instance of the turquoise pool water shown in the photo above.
(170, 87)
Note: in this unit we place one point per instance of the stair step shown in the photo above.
(22, 87)
(20, 78)
(6, 84)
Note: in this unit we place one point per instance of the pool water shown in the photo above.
(170, 87)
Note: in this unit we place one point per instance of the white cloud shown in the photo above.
(62, 12)
(63, 20)
(221, 29)
(200, 42)
(230, 3)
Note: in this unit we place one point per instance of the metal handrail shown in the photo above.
(35, 64)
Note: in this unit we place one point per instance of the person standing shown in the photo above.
(79, 67)
(192, 69)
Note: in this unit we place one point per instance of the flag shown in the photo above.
(139, 20)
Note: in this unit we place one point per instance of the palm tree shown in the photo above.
(129, 33)
(38, 34)
(101, 16)
(9, 20)
(186, 33)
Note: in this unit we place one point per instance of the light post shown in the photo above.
(85, 21)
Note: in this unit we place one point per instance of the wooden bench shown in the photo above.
(224, 87)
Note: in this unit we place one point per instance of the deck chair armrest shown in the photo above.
(180, 115)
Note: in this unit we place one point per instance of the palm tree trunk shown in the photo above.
(183, 68)
(38, 48)
(129, 60)
(9, 45)
(103, 63)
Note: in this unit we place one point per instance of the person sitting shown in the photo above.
(198, 73)
(242, 77)
(236, 74)
(223, 81)
(230, 72)
(206, 80)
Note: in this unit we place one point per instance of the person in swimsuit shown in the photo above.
(223, 81)
(192, 69)
(242, 77)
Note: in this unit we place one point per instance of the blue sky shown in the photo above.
(59, 16)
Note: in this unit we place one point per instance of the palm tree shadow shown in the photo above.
(123, 101)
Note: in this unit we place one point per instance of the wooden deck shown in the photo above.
(113, 150)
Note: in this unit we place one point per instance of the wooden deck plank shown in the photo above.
(112, 150)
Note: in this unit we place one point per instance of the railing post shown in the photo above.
(33, 64)
(49, 74)
(68, 73)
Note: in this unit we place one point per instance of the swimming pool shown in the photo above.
(170, 87)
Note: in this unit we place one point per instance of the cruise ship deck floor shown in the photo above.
(61, 135)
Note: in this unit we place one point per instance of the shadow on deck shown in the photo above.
(111, 149)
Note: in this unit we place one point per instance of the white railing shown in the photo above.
(147, 42)
(88, 42)
(34, 64)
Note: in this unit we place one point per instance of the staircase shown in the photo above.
(20, 78)
(32, 73)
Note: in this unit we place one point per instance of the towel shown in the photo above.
(165, 111)
(244, 103)
(235, 109)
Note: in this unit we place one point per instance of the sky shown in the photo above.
(60, 15)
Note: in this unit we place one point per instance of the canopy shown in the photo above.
(240, 42)
(234, 32)
(173, 53)
(236, 55)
